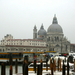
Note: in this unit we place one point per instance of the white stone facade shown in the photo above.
(54, 37)
(59, 45)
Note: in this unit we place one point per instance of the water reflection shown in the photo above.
(7, 69)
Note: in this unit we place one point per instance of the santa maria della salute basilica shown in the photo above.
(54, 37)
(51, 40)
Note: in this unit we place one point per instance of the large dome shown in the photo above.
(55, 27)
(42, 31)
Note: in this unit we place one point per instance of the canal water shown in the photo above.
(8, 67)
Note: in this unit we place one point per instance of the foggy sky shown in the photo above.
(18, 17)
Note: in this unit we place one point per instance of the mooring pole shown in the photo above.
(10, 59)
(74, 65)
(23, 68)
(60, 64)
(38, 70)
(35, 65)
(67, 67)
(16, 66)
(47, 64)
(2, 69)
(63, 71)
(41, 67)
(26, 68)
(52, 62)
(54, 66)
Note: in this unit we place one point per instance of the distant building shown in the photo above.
(8, 40)
(73, 47)
(51, 40)
(8, 44)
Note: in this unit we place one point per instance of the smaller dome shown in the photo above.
(42, 31)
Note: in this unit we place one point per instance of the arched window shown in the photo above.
(8, 49)
(53, 49)
(16, 49)
(24, 49)
(57, 38)
(3, 50)
(49, 38)
(57, 45)
(0, 50)
(38, 50)
(46, 45)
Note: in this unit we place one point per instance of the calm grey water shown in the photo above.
(7, 69)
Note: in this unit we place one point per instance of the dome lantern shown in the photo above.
(55, 20)
(42, 26)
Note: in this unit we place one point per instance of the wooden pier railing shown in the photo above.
(39, 68)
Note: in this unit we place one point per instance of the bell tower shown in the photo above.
(35, 32)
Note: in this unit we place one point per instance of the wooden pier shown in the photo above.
(38, 69)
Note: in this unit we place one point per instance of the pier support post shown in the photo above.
(2, 69)
(52, 62)
(23, 68)
(54, 65)
(47, 64)
(35, 66)
(16, 66)
(67, 67)
(63, 71)
(10, 69)
(41, 67)
(60, 64)
(38, 70)
(74, 65)
(10, 60)
(26, 68)
(26, 58)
